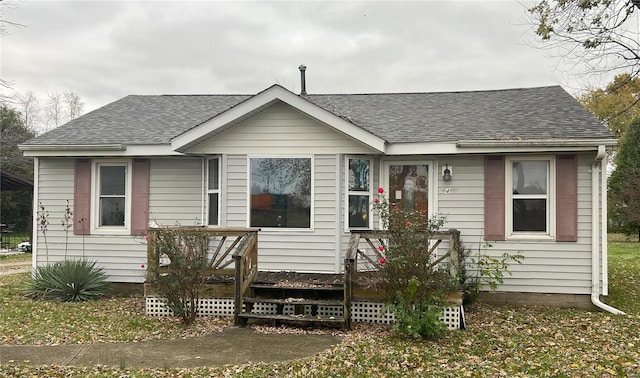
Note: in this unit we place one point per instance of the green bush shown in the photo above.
(415, 287)
(182, 280)
(481, 270)
(68, 281)
(417, 318)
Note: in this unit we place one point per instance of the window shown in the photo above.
(112, 194)
(281, 192)
(530, 202)
(358, 193)
(213, 192)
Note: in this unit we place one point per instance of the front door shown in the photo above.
(407, 185)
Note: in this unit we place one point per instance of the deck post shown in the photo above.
(237, 300)
(349, 275)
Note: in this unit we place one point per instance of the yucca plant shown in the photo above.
(68, 281)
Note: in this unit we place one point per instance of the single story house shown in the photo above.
(522, 169)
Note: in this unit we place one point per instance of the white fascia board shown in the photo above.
(452, 148)
(263, 100)
(593, 143)
(125, 151)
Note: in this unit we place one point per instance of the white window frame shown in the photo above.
(95, 198)
(214, 191)
(312, 210)
(550, 197)
(349, 193)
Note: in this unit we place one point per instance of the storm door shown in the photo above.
(407, 185)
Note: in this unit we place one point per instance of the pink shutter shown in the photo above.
(566, 198)
(140, 197)
(494, 206)
(82, 198)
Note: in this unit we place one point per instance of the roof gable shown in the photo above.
(263, 100)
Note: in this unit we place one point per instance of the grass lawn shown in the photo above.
(499, 341)
(22, 257)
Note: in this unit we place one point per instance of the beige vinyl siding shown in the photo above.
(121, 256)
(176, 191)
(175, 196)
(280, 130)
(549, 266)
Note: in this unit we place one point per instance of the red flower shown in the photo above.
(142, 266)
(380, 190)
(382, 260)
(394, 207)
(381, 248)
(147, 237)
(375, 200)
(408, 224)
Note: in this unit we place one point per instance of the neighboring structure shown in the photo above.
(10, 181)
(525, 170)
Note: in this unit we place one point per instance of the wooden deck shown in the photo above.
(293, 296)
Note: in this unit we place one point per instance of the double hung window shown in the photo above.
(213, 192)
(358, 193)
(529, 200)
(112, 184)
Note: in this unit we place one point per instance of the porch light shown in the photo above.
(446, 174)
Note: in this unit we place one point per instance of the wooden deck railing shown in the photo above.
(221, 247)
(246, 263)
(373, 239)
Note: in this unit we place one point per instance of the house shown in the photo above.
(525, 171)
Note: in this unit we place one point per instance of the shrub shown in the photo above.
(418, 319)
(483, 270)
(180, 282)
(68, 281)
(409, 276)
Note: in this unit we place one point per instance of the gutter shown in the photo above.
(536, 143)
(596, 175)
(72, 147)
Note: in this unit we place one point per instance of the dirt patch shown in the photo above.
(14, 267)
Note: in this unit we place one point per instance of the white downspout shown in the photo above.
(595, 232)
(35, 205)
(605, 225)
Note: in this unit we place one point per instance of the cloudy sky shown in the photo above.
(106, 50)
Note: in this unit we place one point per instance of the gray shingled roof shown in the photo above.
(530, 113)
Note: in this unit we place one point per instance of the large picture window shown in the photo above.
(213, 192)
(281, 192)
(359, 193)
(530, 196)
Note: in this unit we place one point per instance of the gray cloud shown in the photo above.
(106, 50)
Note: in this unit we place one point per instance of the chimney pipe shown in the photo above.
(303, 82)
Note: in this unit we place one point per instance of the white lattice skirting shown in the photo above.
(363, 312)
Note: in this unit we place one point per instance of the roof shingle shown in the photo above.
(528, 113)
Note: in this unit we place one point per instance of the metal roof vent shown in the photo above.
(303, 81)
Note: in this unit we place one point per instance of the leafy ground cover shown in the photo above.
(20, 257)
(506, 341)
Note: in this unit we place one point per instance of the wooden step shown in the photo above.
(306, 287)
(295, 301)
(293, 318)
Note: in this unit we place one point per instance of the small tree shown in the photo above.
(185, 250)
(624, 193)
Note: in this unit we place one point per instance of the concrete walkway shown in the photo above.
(232, 346)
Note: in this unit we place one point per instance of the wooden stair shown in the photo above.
(301, 297)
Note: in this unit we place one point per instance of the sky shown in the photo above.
(105, 50)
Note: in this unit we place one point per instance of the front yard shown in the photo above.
(498, 341)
